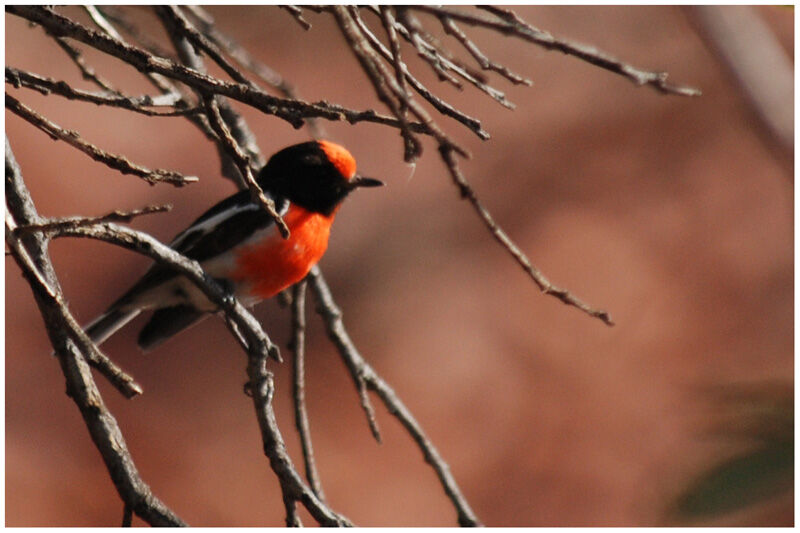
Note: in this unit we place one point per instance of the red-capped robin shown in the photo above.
(238, 243)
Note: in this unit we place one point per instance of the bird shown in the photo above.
(238, 243)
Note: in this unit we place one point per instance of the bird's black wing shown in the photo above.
(219, 229)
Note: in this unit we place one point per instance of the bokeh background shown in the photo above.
(675, 214)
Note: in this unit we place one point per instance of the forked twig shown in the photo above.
(30, 252)
(362, 372)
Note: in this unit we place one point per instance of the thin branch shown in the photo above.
(190, 57)
(411, 30)
(177, 26)
(384, 88)
(292, 518)
(56, 224)
(447, 148)
(253, 339)
(159, 81)
(242, 57)
(497, 232)
(297, 13)
(297, 345)
(387, 19)
(200, 42)
(361, 370)
(113, 161)
(414, 35)
(118, 17)
(139, 104)
(291, 110)
(87, 71)
(487, 64)
(53, 298)
(30, 251)
(511, 24)
(440, 105)
(292, 485)
(438, 48)
(242, 163)
(368, 57)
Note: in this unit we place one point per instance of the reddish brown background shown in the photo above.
(670, 212)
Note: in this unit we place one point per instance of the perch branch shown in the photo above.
(30, 252)
(254, 341)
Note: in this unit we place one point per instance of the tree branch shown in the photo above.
(361, 371)
(74, 139)
(139, 104)
(30, 252)
(511, 24)
(292, 111)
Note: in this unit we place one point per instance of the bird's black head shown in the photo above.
(316, 175)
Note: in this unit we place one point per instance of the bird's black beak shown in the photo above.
(362, 181)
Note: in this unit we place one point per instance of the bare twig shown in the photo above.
(511, 24)
(411, 30)
(190, 57)
(243, 163)
(414, 35)
(240, 55)
(487, 64)
(53, 298)
(74, 139)
(297, 345)
(56, 224)
(382, 83)
(387, 19)
(447, 148)
(297, 13)
(377, 70)
(87, 71)
(361, 371)
(200, 42)
(292, 110)
(440, 105)
(497, 232)
(139, 104)
(119, 18)
(30, 251)
(159, 81)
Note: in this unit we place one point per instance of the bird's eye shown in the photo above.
(312, 160)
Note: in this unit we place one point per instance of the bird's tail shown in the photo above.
(109, 322)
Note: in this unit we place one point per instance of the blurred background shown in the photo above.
(674, 214)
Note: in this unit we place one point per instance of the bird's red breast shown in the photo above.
(276, 263)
